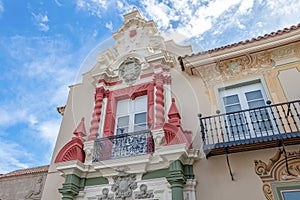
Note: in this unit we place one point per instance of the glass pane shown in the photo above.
(233, 108)
(233, 99)
(140, 127)
(140, 118)
(123, 121)
(122, 107)
(253, 95)
(140, 103)
(291, 195)
(256, 104)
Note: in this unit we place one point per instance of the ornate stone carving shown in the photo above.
(297, 50)
(105, 196)
(130, 70)
(275, 171)
(262, 61)
(143, 194)
(282, 53)
(234, 68)
(124, 184)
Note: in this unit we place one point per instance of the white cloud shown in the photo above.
(41, 20)
(1, 7)
(94, 7)
(188, 17)
(10, 116)
(48, 130)
(58, 3)
(11, 155)
(246, 6)
(109, 25)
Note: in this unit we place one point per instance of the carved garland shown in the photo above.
(275, 171)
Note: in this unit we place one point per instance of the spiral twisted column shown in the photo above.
(159, 101)
(99, 96)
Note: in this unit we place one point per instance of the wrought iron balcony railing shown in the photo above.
(244, 130)
(123, 145)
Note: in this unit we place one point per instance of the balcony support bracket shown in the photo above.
(228, 164)
(285, 155)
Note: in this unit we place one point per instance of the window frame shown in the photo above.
(236, 87)
(131, 113)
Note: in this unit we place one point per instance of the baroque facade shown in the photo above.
(151, 120)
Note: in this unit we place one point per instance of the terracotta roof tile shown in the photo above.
(272, 34)
(20, 172)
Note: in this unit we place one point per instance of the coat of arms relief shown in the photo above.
(124, 186)
(130, 70)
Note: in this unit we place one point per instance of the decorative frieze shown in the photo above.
(242, 66)
(282, 53)
(297, 50)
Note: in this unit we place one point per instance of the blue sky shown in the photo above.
(44, 43)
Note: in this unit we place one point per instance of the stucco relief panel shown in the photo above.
(283, 167)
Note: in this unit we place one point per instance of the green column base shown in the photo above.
(176, 179)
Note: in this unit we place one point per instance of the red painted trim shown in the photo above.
(100, 94)
(132, 33)
(159, 94)
(73, 150)
(157, 66)
(166, 69)
(146, 75)
(109, 83)
(125, 93)
(167, 80)
(175, 135)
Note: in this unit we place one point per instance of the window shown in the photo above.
(286, 190)
(131, 115)
(252, 122)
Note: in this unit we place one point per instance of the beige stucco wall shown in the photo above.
(80, 104)
(214, 181)
(290, 82)
(191, 100)
(53, 182)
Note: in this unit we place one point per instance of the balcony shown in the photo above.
(123, 145)
(263, 127)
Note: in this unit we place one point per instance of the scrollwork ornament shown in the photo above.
(268, 191)
(260, 167)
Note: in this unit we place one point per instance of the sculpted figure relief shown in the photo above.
(37, 190)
